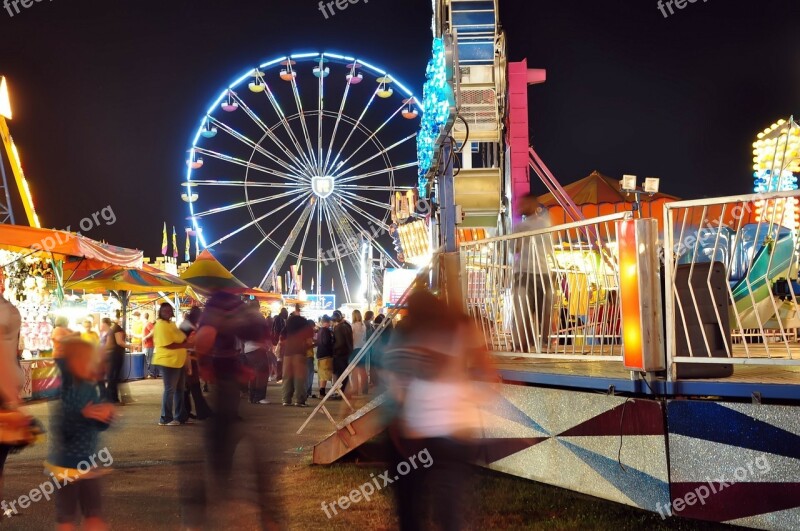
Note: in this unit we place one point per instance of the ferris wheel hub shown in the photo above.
(322, 185)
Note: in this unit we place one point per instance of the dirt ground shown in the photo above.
(153, 465)
(142, 491)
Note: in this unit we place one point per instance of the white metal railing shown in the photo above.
(731, 272)
(550, 293)
(422, 280)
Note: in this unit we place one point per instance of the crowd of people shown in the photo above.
(425, 365)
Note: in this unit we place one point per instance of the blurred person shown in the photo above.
(273, 362)
(81, 415)
(256, 358)
(172, 358)
(149, 346)
(61, 333)
(11, 375)
(115, 350)
(278, 324)
(324, 354)
(433, 358)
(226, 322)
(89, 335)
(533, 282)
(379, 347)
(342, 346)
(193, 392)
(295, 335)
(359, 375)
(311, 344)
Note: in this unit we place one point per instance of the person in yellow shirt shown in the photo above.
(171, 356)
(88, 334)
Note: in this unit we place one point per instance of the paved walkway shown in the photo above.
(142, 492)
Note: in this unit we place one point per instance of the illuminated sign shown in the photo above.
(322, 303)
(395, 283)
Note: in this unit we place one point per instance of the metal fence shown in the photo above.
(550, 293)
(731, 271)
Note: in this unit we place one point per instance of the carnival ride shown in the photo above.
(610, 411)
(306, 161)
(12, 155)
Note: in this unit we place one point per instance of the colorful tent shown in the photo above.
(95, 276)
(122, 282)
(599, 195)
(61, 244)
(207, 274)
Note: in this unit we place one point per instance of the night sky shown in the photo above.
(107, 95)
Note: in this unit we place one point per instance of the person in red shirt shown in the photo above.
(149, 346)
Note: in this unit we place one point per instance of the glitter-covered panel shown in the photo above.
(735, 463)
(605, 446)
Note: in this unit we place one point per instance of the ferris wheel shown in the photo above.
(300, 162)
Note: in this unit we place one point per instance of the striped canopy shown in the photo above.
(61, 245)
(97, 277)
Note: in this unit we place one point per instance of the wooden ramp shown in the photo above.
(352, 432)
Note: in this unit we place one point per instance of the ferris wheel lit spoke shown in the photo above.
(370, 238)
(375, 245)
(251, 165)
(373, 135)
(339, 117)
(376, 172)
(256, 220)
(335, 165)
(354, 235)
(371, 188)
(381, 153)
(321, 111)
(366, 200)
(335, 247)
(292, 168)
(234, 206)
(251, 184)
(286, 248)
(309, 223)
(319, 248)
(284, 122)
(268, 236)
(303, 123)
(375, 221)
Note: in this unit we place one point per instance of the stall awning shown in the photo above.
(62, 244)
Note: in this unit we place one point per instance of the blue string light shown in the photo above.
(436, 103)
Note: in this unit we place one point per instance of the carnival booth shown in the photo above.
(120, 283)
(33, 262)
